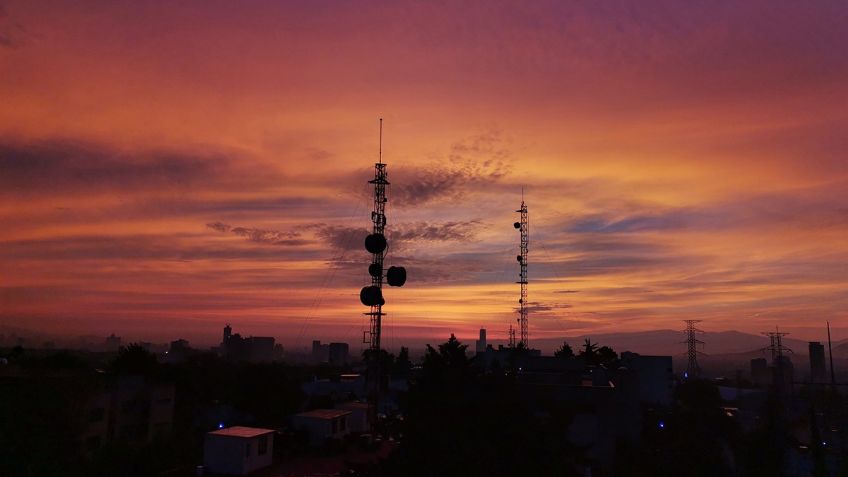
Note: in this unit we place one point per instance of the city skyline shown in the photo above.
(167, 171)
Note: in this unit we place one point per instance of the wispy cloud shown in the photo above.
(271, 237)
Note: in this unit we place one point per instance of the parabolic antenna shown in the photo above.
(371, 296)
(375, 243)
(396, 276)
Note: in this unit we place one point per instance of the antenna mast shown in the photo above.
(524, 227)
(377, 247)
(372, 295)
(693, 370)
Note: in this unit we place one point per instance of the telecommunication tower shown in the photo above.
(693, 370)
(524, 228)
(372, 295)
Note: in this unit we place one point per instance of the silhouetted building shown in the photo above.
(760, 374)
(654, 375)
(337, 354)
(134, 410)
(112, 342)
(178, 351)
(481, 344)
(818, 370)
(228, 332)
(238, 450)
(320, 352)
(256, 349)
(784, 373)
(323, 425)
(358, 419)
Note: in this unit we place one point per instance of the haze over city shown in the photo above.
(165, 171)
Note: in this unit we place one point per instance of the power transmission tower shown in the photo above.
(777, 349)
(693, 370)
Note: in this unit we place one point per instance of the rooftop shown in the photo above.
(324, 413)
(354, 405)
(239, 431)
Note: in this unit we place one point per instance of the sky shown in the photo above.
(169, 167)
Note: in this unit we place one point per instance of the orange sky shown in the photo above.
(169, 168)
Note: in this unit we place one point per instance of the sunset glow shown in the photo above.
(167, 168)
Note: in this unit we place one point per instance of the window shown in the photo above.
(262, 448)
(247, 450)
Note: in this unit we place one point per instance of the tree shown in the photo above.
(589, 348)
(603, 356)
(589, 351)
(403, 364)
(449, 364)
(606, 356)
(564, 351)
(449, 429)
(135, 359)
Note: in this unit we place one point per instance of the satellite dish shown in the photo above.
(396, 276)
(521, 300)
(518, 257)
(375, 270)
(371, 296)
(375, 243)
(517, 225)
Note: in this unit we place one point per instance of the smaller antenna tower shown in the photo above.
(511, 336)
(693, 370)
(524, 227)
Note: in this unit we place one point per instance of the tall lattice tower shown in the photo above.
(693, 370)
(372, 295)
(776, 346)
(377, 245)
(524, 227)
(781, 382)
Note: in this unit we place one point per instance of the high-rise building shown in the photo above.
(228, 332)
(818, 371)
(481, 343)
(320, 352)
